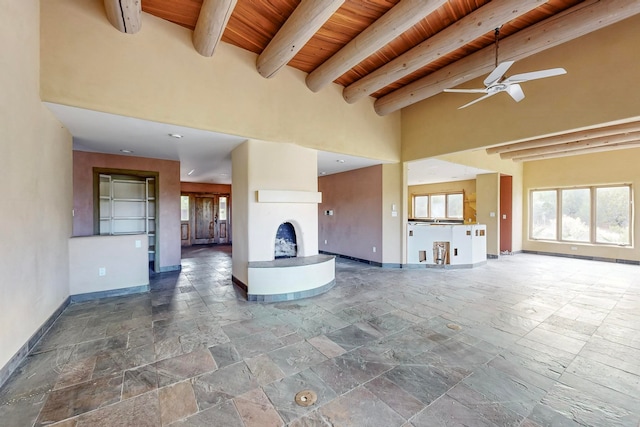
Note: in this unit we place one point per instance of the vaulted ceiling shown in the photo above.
(397, 51)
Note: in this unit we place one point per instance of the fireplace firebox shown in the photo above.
(285, 245)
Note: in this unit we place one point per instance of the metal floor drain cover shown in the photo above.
(306, 398)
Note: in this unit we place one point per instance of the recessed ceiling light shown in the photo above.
(340, 160)
(124, 150)
(191, 172)
(175, 135)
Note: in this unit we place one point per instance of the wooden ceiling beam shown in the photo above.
(462, 32)
(622, 146)
(582, 135)
(396, 21)
(304, 22)
(125, 15)
(212, 21)
(584, 18)
(571, 146)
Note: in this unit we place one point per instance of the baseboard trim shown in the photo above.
(291, 296)
(13, 363)
(391, 265)
(362, 260)
(443, 266)
(168, 268)
(239, 283)
(110, 293)
(584, 257)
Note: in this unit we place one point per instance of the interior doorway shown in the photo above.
(209, 220)
(506, 210)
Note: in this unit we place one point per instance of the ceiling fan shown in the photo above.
(496, 82)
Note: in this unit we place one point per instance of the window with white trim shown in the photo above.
(440, 205)
(594, 214)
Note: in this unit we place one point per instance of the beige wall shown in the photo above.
(35, 169)
(356, 224)
(240, 213)
(602, 76)
(124, 258)
(168, 221)
(157, 75)
(488, 208)
(614, 167)
(392, 224)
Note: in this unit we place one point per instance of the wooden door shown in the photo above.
(506, 209)
(205, 221)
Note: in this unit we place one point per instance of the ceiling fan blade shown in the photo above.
(498, 73)
(477, 100)
(516, 92)
(466, 90)
(520, 78)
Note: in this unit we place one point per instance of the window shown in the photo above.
(438, 206)
(184, 208)
(421, 206)
(448, 206)
(600, 215)
(544, 210)
(576, 213)
(223, 208)
(455, 206)
(613, 215)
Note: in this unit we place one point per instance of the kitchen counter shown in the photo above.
(446, 245)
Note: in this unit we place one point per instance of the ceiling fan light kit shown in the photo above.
(496, 81)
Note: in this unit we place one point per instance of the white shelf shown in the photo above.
(127, 206)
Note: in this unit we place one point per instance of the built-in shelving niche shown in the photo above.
(127, 204)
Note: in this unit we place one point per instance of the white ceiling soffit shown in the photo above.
(330, 163)
(204, 156)
(431, 171)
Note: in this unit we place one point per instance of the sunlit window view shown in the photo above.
(439, 206)
(223, 209)
(613, 215)
(184, 208)
(592, 215)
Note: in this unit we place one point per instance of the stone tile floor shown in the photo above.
(525, 340)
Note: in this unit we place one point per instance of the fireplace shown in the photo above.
(285, 245)
(275, 243)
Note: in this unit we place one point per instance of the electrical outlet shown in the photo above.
(374, 249)
(102, 271)
(138, 243)
(325, 242)
(574, 248)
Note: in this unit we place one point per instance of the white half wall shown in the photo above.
(107, 263)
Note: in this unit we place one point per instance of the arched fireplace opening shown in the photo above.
(286, 245)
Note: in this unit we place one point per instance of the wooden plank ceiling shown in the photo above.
(460, 34)
(254, 23)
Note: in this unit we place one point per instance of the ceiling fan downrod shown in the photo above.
(497, 36)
